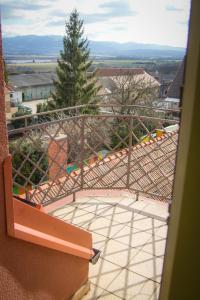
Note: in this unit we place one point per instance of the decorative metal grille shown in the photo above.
(57, 153)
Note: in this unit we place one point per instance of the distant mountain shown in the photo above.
(52, 44)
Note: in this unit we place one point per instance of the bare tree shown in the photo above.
(133, 89)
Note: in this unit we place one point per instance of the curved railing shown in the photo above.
(57, 153)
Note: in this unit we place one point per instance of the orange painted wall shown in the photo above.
(28, 271)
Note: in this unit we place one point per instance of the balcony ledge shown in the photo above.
(35, 226)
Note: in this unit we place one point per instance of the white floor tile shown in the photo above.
(129, 285)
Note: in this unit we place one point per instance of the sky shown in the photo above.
(162, 22)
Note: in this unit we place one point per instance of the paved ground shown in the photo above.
(33, 104)
(131, 235)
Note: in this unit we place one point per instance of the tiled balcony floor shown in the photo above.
(131, 236)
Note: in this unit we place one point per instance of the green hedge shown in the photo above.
(35, 153)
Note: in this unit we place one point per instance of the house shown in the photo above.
(42, 257)
(113, 80)
(175, 89)
(33, 86)
(10, 108)
(15, 96)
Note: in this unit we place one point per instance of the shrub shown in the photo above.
(35, 154)
(22, 111)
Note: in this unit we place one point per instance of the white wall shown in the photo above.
(16, 96)
(172, 103)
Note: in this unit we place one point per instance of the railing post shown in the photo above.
(82, 150)
(130, 143)
(74, 197)
(137, 196)
(26, 122)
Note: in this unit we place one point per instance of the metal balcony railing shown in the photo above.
(57, 153)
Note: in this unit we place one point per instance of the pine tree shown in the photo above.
(73, 85)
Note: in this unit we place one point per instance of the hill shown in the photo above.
(51, 45)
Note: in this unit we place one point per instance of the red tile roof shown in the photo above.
(152, 167)
(110, 72)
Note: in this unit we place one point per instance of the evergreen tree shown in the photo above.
(74, 86)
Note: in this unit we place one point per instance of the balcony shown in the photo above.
(131, 236)
(109, 170)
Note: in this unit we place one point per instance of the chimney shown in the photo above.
(57, 157)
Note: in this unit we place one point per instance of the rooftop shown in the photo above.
(174, 90)
(131, 236)
(110, 72)
(27, 80)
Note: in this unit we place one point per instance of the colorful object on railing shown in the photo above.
(147, 138)
(71, 168)
(159, 132)
(21, 190)
(100, 155)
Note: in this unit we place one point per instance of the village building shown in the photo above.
(172, 100)
(10, 108)
(109, 78)
(31, 89)
(15, 96)
(33, 86)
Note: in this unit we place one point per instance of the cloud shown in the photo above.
(58, 13)
(111, 10)
(106, 12)
(119, 28)
(94, 18)
(23, 5)
(118, 8)
(184, 23)
(173, 8)
(56, 23)
(10, 9)
(117, 20)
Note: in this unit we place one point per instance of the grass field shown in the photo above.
(31, 67)
(150, 65)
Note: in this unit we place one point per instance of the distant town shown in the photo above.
(31, 63)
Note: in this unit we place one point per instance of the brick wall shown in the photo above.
(57, 157)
